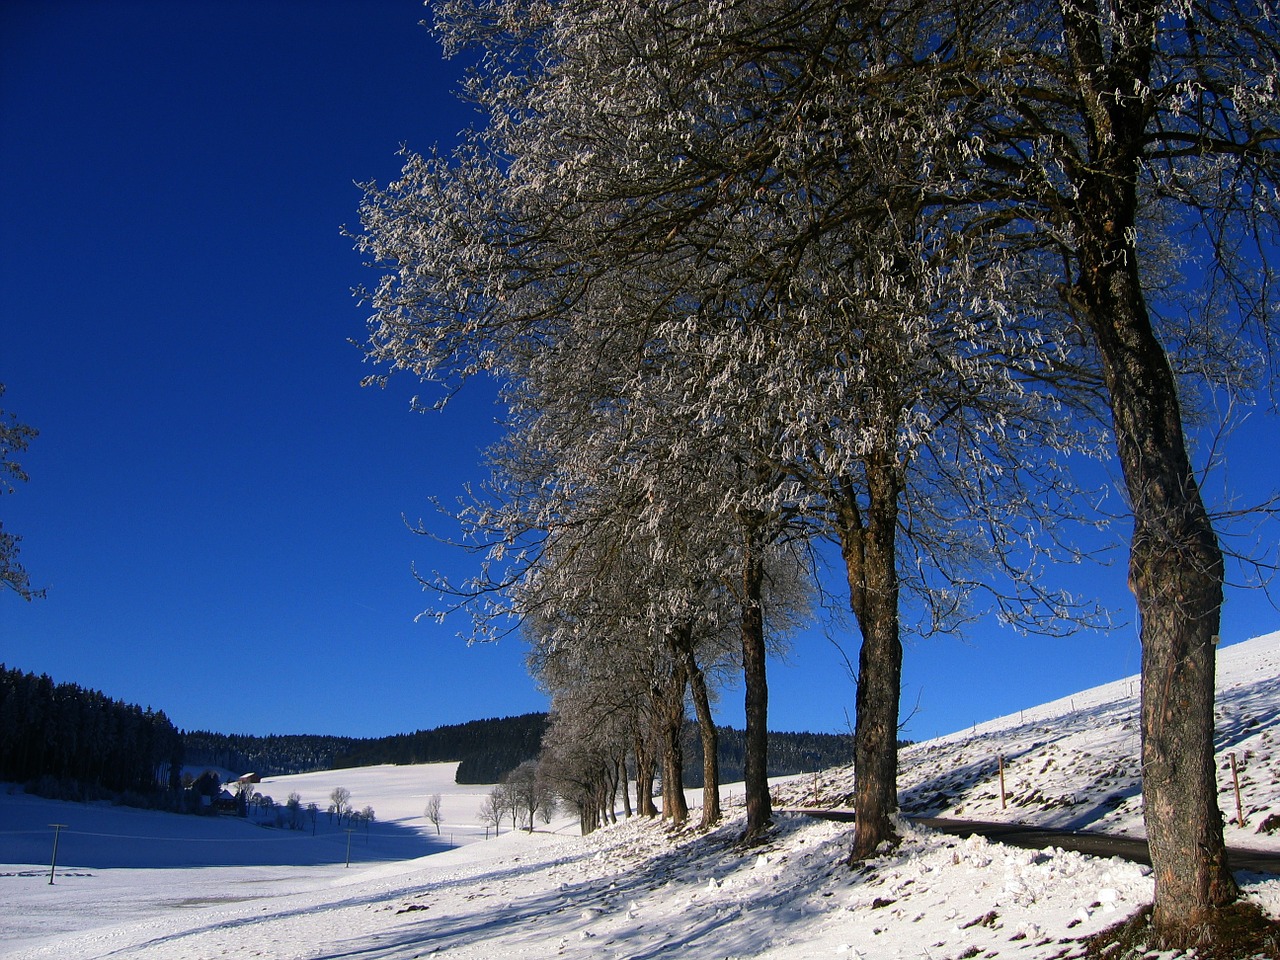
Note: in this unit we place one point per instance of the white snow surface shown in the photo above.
(167, 887)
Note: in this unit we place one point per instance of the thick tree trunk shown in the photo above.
(1176, 575)
(756, 761)
(681, 642)
(621, 764)
(710, 746)
(645, 773)
(610, 793)
(674, 806)
(871, 565)
(1175, 564)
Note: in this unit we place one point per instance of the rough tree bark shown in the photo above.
(620, 768)
(671, 704)
(868, 544)
(645, 773)
(707, 731)
(1176, 575)
(756, 765)
(1176, 564)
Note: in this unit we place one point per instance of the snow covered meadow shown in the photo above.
(164, 887)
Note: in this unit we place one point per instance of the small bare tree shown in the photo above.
(526, 791)
(491, 812)
(432, 812)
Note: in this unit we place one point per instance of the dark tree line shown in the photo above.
(789, 753)
(270, 755)
(485, 749)
(73, 735)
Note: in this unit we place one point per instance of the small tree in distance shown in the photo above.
(527, 792)
(339, 803)
(491, 811)
(432, 811)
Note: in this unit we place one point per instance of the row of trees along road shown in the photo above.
(757, 273)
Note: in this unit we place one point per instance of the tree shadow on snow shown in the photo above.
(119, 839)
(726, 909)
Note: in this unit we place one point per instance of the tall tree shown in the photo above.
(1099, 125)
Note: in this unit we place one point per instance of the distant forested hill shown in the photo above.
(74, 743)
(82, 738)
(485, 749)
(488, 749)
(268, 756)
(789, 753)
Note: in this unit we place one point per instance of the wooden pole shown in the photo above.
(1235, 778)
(1003, 805)
(53, 864)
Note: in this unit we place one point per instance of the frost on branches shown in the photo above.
(754, 274)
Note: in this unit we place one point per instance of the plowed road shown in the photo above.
(1037, 838)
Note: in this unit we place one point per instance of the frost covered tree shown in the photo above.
(625, 638)
(14, 438)
(339, 803)
(584, 757)
(715, 219)
(528, 791)
(652, 559)
(1100, 132)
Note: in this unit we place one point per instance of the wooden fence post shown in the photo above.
(1235, 779)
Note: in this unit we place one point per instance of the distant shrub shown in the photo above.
(131, 798)
(53, 788)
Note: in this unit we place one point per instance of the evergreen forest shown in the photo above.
(83, 740)
(65, 740)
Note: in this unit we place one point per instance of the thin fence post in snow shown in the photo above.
(1235, 778)
(348, 832)
(1003, 805)
(53, 864)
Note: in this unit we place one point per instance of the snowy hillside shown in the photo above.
(1073, 763)
(632, 890)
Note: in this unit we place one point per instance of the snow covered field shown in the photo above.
(133, 884)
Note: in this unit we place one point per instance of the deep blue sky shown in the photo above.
(215, 503)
